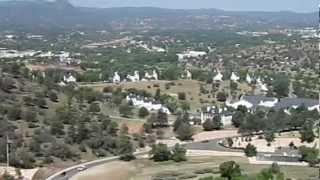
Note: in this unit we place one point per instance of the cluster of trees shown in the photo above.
(161, 152)
(182, 127)
(230, 170)
(156, 120)
(213, 124)
(276, 121)
(309, 155)
(250, 150)
(75, 127)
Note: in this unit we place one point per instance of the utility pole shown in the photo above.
(319, 124)
(8, 153)
(318, 38)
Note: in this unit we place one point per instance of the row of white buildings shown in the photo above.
(249, 79)
(135, 77)
(149, 103)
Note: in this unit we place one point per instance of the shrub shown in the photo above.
(184, 131)
(143, 112)
(108, 89)
(53, 96)
(250, 150)
(230, 169)
(94, 108)
(160, 152)
(221, 96)
(179, 153)
(182, 96)
(309, 155)
(125, 110)
(14, 113)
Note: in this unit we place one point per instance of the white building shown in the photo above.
(69, 79)
(234, 77)
(116, 78)
(248, 79)
(148, 77)
(254, 102)
(218, 77)
(155, 75)
(135, 77)
(191, 54)
(149, 103)
(189, 75)
(158, 49)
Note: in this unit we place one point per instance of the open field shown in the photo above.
(144, 169)
(190, 87)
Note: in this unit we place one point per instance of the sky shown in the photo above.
(239, 5)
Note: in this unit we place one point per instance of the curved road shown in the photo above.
(203, 145)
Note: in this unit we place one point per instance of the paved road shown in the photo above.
(72, 171)
(203, 145)
(210, 145)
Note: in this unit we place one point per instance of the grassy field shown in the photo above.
(192, 169)
(191, 88)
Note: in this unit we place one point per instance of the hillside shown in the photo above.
(47, 124)
(62, 15)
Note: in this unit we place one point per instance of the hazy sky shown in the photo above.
(266, 5)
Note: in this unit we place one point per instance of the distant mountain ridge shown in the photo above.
(62, 14)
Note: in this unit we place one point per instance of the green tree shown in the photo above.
(157, 95)
(213, 124)
(281, 86)
(179, 153)
(306, 132)
(94, 108)
(182, 96)
(221, 96)
(185, 132)
(230, 170)
(30, 115)
(230, 142)
(143, 112)
(309, 155)
(181, 118)
(161, 120)
(125, 148)
(82, 132)
(171, 73)
(22, 159)
(208, 125)
(185, 106)
(53, 96)
(125, 110)
(269, 136)
(233, 86)
(160, 152)
(250, 150)
(57, 127)
(238, 118)
(272, 173)
(14, 113)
